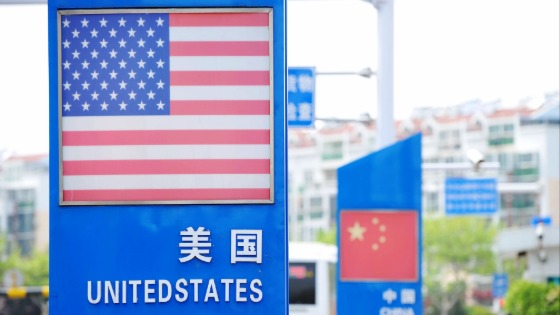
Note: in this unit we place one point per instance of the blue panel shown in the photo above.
(464, 196)
(301, 97)
(389, 179)
(138, 247)
(499, 285)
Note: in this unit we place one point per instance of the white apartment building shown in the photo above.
(524, 140)
(24, 203)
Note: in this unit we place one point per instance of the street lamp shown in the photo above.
(366, 73)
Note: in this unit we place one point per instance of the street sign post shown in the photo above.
(167, 149)
(499, 285)
(301, 97)
(471, 196)
(380, 232)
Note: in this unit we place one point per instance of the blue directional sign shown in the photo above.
(167, 149)
(471, 196)
(301, 97)
(380, 232)
(499, 285)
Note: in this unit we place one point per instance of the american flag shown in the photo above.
(166, 107)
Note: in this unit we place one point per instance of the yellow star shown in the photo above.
(357, 231)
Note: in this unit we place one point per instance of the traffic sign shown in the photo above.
(168, 157)
(301, 97)
(499, 285)
(471, 196)
(380, 232)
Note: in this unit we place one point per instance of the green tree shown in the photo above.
(327, 237)
(529, 298)
(34, 268)
(455, 247)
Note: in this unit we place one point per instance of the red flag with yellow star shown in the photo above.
(378, 245)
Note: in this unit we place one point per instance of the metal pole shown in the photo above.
(385, 117)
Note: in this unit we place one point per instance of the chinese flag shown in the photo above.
(378, 245)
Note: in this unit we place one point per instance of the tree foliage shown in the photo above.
(34, 268)
(529, 298)
(455, 247)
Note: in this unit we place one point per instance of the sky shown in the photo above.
(446, 52)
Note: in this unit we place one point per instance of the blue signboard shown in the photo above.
(301, 97)
(471, 196)
(167, 150)
(499, 285)
(380, 232)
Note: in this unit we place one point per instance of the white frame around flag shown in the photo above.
(61, 13)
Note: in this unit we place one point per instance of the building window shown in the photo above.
(500, 134)
(332, 151)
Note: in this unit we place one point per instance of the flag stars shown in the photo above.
(66, 23)
(132, 74)
(122, 64)
(67, 85)
(151, 53)
(131, 32)
(141, 64)
(151, 95)
(122, 22)
(94, 33)
(151, 74)
(382, 228)
(94, 75)
(113, 74)
(76, 54)
(141, 85)
(112, 33)
(159, 21)
(132, 95)
(85, 44)
(357, 231)
(160, 42)
(76, 96)
(113, 54)
(85, 85)
(141, 43)
(104, 85)
(160, 105)
(122, 43)
(103, 22)
(122, 105)
(94, 54)
(104, 106)
(103, 43)
(85, 65)
(141, 22)
(104, 64)
(122, 85)
(75, 33)
(85, 22)
(113, 95)
(66, 44)
(67, 107)
(76, 75)
(66, 65)
(150, 32)
(94, 96)
(131, 54)
(141, 106)
(160, 84)
(160, 63)
(85, 106)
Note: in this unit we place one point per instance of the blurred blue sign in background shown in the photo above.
(499, 285)
(471, 196)
(301, 97)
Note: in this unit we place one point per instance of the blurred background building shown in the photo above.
(24, 203)
(523, 139)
